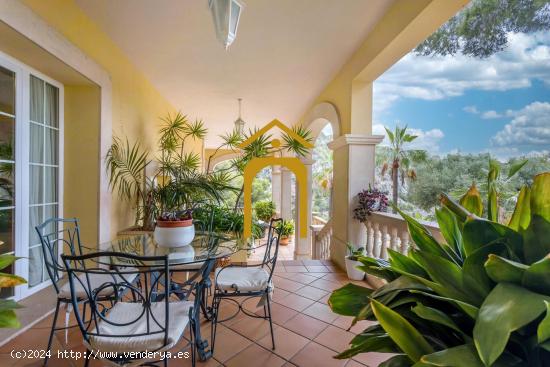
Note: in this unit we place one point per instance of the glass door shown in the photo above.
(31, 168)
(43, 169)
(7, 168)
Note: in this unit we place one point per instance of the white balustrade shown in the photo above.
(389, 231)
(321, 236)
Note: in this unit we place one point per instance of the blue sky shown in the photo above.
(500, 104)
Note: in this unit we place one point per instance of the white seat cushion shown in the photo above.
(96, 280)
(125, 312)
(242, 279)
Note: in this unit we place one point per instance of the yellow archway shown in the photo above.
(293, 164)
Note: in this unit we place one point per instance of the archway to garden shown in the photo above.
(324, 124)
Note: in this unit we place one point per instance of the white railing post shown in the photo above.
(321, 238)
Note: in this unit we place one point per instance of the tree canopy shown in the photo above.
(481, 29)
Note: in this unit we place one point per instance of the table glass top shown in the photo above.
(205, 246)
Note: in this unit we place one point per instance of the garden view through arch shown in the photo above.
(292, 163)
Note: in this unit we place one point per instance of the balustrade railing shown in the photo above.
(321, 236)
(389, 231)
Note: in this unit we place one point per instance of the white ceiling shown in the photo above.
(285, 53)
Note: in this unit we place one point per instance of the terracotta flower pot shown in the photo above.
(284, 240)
(174, 233)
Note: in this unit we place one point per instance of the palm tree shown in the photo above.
(400, 159)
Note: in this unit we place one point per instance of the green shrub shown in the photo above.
(480, 298)
(265, 210)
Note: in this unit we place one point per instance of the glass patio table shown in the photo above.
(199, 258)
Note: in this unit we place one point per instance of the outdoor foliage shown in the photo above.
(482, 28)
(8, 318)
(265, 210)
(225, 220)
(400, 159)
(480, 298)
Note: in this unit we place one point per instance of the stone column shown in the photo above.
(286, 193)
(276, 189)
(354, 166)
(302, 247)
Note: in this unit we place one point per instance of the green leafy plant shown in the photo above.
(353, 253)
(225, 220)
(8, 317)
(265, 210)
(479, 298)
(177, 186)
(285, 228)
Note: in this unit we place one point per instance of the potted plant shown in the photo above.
(265, 210)
(285, 230)
(352, 262)
(369, 201)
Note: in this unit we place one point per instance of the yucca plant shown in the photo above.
(480, 298)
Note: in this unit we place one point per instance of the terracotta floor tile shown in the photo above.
(317, 269)
(334, 268)
(286, 284)
(353, 363)
(312, 292)
(315, 355)
(334, 338)
(250, 327)
(287, 343)
(321, 312)
(228, 343)
(339, 277)
(295, 269)
(279, 313)
(296, 302)
(279, 294)
(301, 277)
(306, 326)
(255, 356)
(324, 299)
(312, 262)
(326, 285)
(372, 358)
(344, 322)
(291, 262)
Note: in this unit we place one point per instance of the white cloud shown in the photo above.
(426, 140)
(435, 78)
(471, 109)
(487, 115)
(529, 129)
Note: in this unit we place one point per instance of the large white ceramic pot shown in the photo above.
(351, 269)
(174, 233)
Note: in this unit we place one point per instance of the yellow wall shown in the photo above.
(82, 113)
(136, 104)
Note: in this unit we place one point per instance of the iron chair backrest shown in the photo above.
(153, 285)
(54, 234)
(272, 245)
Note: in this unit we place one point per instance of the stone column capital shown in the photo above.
(308, 161)
(355, 139)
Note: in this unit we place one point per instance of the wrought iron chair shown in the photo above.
(247, 281)
(54, 234)
(133, 331)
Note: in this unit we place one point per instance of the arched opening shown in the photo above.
(321, 183)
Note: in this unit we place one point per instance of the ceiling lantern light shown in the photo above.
(226, 15)
(239, 122)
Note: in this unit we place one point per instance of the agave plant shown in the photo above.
(479, 298)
